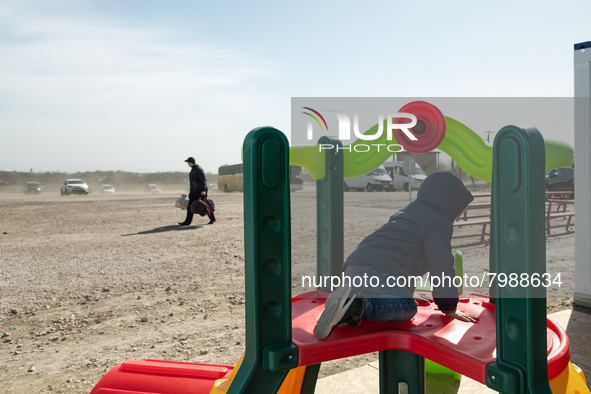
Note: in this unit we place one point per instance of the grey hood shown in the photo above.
(445, 192)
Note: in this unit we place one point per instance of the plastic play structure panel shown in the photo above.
(464, 347)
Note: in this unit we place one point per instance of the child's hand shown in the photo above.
(464, 316)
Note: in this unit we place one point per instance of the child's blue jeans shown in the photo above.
(384, 302)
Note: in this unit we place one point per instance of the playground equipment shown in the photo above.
(437, 131)
(513, 349)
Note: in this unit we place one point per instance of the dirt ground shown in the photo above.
(87, 282)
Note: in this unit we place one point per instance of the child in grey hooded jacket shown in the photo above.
(416, 240)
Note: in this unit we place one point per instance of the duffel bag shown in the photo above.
(182, 202)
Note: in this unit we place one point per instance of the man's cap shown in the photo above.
(190, 160)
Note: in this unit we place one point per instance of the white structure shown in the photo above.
(583, 173)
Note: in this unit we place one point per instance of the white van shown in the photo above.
(378, 179)
(400, 178)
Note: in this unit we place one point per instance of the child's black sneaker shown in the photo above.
(340, 309)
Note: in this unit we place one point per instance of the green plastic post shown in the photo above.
(518, 247)
(269, 351)
(401, 372)
(329, 215)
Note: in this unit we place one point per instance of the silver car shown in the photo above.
(107, 189)
(74, 186)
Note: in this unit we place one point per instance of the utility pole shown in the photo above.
(488, 133)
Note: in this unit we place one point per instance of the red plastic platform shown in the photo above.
(162, 377)
(464, 347)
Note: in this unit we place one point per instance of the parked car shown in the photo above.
(400, 177)
(561, 179)
(74, 186)
(378, 179)
(107, 189)
(151, 188)
(33, 187)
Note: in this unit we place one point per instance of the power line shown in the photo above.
(513, 120)
(515, 108)
(556, 121)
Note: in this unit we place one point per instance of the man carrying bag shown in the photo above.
(198, 183)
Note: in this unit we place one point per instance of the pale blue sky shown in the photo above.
(141, 85)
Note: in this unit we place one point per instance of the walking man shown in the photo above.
(198, 183)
